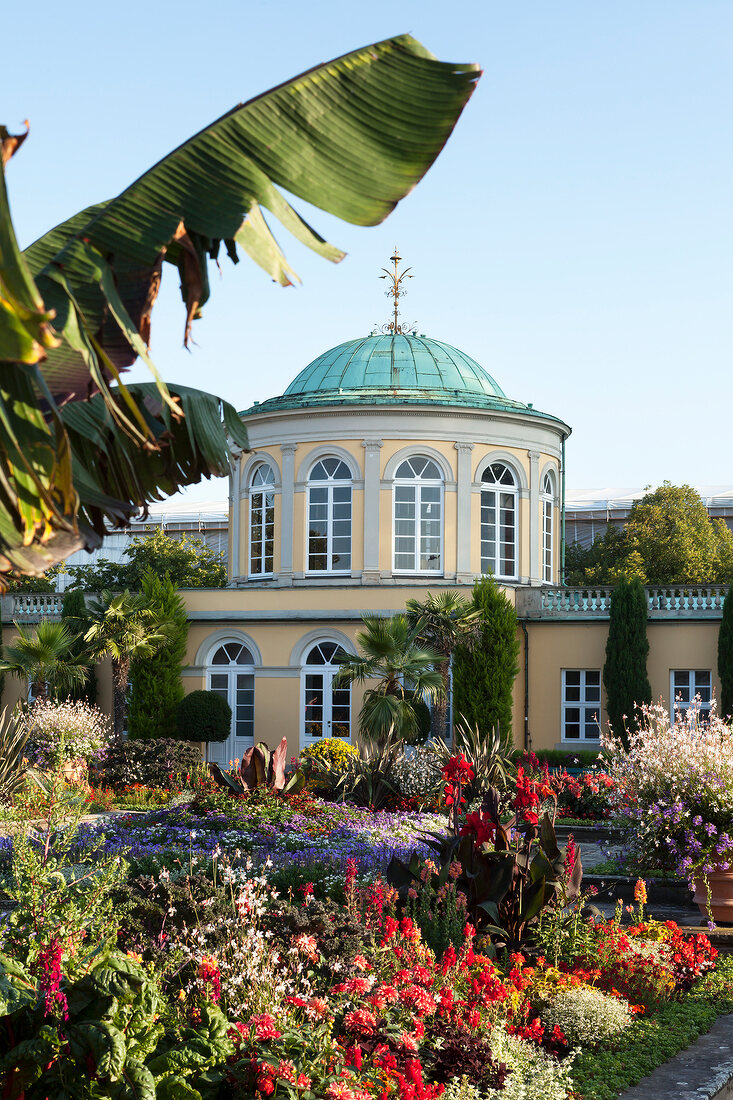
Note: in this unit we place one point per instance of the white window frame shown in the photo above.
(495, 490)
(695, 685)
(583, 704)
(328, 672)
(263, 492)
(329, 484)
(418, 484)
(548, 527)
(235, 743)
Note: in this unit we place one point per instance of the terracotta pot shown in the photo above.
(721, 895)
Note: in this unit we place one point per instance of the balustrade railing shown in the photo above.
(667, 601)
(31, 607)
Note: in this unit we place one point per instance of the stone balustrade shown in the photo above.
(663, 602)
(31, 607)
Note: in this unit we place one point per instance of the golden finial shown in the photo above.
(395, 292)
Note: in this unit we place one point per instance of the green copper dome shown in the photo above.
(393, 370)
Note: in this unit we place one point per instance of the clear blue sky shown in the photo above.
(575, 236)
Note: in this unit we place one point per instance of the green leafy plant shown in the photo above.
(443, 622)
(96, 276)
(366, 778)
(485, 752)
(203, 716)
(124, 627)
(14, 734)
(261, 767)
(46, 657)
(393, 655)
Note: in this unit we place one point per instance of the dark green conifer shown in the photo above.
(155, 682)
(483, 675)
(725, 656)
(76, 617)
(627, 648)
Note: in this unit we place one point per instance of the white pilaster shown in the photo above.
(463, 514)
(288, 505)
(370, 572)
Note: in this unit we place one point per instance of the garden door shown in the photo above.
(231, 675)
(326, 709)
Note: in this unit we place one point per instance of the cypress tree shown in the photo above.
(627, 648)
(483, 675)
(74, 613)
(155, 682)
(725, 656)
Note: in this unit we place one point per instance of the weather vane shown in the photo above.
(395, 292)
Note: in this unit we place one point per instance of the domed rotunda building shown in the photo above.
(391, 465)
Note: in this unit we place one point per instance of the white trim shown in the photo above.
(693, 689)
(260, 458)
(495, 489)
(329, 484)
(328, 672)
(210, 644)
(506, 459)
(449, 475)
(326, 450)
(322, 634)
(582, 705)
(418, 484)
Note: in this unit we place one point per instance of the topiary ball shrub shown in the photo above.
(159, 762)
(204, 716)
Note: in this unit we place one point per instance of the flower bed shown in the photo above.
(154, 956)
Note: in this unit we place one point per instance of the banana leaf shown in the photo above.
(79, 450)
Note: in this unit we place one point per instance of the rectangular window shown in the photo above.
(547, 541)
(262, 533)
(685, 687)
(581, 704)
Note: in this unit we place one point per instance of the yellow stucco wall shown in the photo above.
(554, 646)
(446, 450)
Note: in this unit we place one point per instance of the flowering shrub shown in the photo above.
(66, 731)
(417, 775)
(587, 1016)
(675, 791)
(324, 762)
(159, 762)
(588, 795)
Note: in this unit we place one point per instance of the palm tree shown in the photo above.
(444, 622)
(352, 136)
(47, 659)
(125, 628)
(404, 668)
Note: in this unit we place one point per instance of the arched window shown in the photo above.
(231, 675)
(499, 521)
(326, 709)
(418, 516)
(329, 517)
(548, 506)
(261, 521)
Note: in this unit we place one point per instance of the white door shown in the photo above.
(326, 709)
(231, 675)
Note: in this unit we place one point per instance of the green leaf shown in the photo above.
(175, 1088)
(138, 1081)
(103, 1041)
